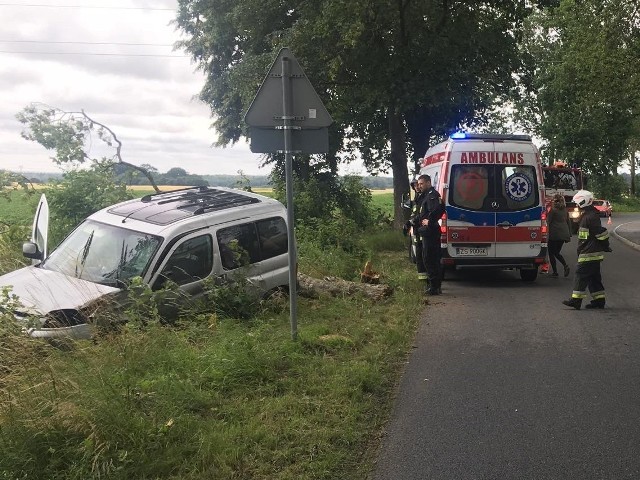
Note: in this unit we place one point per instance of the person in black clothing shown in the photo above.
(412, 227)
(559, 233)
(593, 241)
(430, 211)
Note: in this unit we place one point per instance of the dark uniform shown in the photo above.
(414, 224)
(593, 241)
(431, 209)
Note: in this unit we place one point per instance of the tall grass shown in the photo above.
(215, 398)
(212, 397)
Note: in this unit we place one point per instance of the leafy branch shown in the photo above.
(69, 134)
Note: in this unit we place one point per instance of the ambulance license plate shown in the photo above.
(471, 251)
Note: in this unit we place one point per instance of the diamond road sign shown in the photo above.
(306, 115)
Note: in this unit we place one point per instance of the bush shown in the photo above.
(81, 193)
(11, 239)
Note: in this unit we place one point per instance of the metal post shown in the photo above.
(287, 117)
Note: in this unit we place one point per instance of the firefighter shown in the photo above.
(593, 241)
(412, 228)
(430, 212)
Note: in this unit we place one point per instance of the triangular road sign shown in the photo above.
(307, 109)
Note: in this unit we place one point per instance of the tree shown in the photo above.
(69, 135)
(583, 81)
(392, 74)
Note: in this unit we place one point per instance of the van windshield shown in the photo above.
(493, 187)
(103, 254)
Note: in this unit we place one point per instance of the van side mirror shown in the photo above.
(30, 250)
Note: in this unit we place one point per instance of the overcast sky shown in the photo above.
(74, 55)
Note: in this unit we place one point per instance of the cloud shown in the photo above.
(78, 60)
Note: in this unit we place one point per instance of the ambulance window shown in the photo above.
(518, 186)
(469, 186)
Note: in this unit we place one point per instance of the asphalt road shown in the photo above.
(505, 382)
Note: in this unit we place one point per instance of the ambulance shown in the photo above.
(493, 189)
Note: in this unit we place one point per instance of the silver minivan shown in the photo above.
(185, 236)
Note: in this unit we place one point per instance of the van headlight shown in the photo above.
(575, 214)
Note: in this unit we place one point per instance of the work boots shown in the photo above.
(433, 288)
(599, 303)
(573, 303)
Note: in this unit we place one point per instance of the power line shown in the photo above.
(85, 6)
(89, 43)
(96, 54)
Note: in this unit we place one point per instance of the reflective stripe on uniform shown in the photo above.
(577, 294)
(603, 236)
(583, 233)
(422, 276)
(598, 295)
(591, 257)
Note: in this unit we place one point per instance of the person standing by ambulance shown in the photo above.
(430, 213)
(593, 241)
(412, 227)
(559, 233)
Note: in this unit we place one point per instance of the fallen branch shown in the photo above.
(335, 287)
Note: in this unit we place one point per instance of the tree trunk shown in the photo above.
(311, 287)
(419, 130)
(398, 166)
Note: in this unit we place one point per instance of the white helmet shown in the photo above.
(583, 198)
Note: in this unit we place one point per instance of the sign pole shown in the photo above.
(286, 101)
(287, 116)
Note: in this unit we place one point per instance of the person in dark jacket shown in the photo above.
(430, 213)
(593, 241)
(412, 226)
(559, 233)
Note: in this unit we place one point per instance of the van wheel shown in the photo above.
(528, 274)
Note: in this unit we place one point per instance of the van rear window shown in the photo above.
(493, 187)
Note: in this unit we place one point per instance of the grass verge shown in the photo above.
(215, 398)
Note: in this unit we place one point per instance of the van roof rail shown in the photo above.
(151, 196)
(500, 137)
(168, 207)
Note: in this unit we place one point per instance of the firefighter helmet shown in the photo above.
(583, 198)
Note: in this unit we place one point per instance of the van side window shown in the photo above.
(239, 246)
(273, 237)
(191, 261)
(252, 242)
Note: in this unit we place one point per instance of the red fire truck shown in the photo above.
(566, 180)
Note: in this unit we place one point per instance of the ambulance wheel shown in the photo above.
(528, 274)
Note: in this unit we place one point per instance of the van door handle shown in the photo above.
(506, 223)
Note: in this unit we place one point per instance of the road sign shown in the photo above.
(288, 102)
(288, 116)
(266, 110)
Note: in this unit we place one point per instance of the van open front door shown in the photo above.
(36, 249)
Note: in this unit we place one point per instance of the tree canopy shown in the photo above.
(394, 75)
(583, 82)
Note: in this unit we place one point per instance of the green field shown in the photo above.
(18, 208)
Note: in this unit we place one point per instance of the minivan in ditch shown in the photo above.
(184, 236)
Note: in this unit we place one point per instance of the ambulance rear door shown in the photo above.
(519, 211)
(471, 220)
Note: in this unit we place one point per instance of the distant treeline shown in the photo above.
(178, 176)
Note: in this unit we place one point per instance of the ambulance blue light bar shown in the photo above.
(489, 137)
